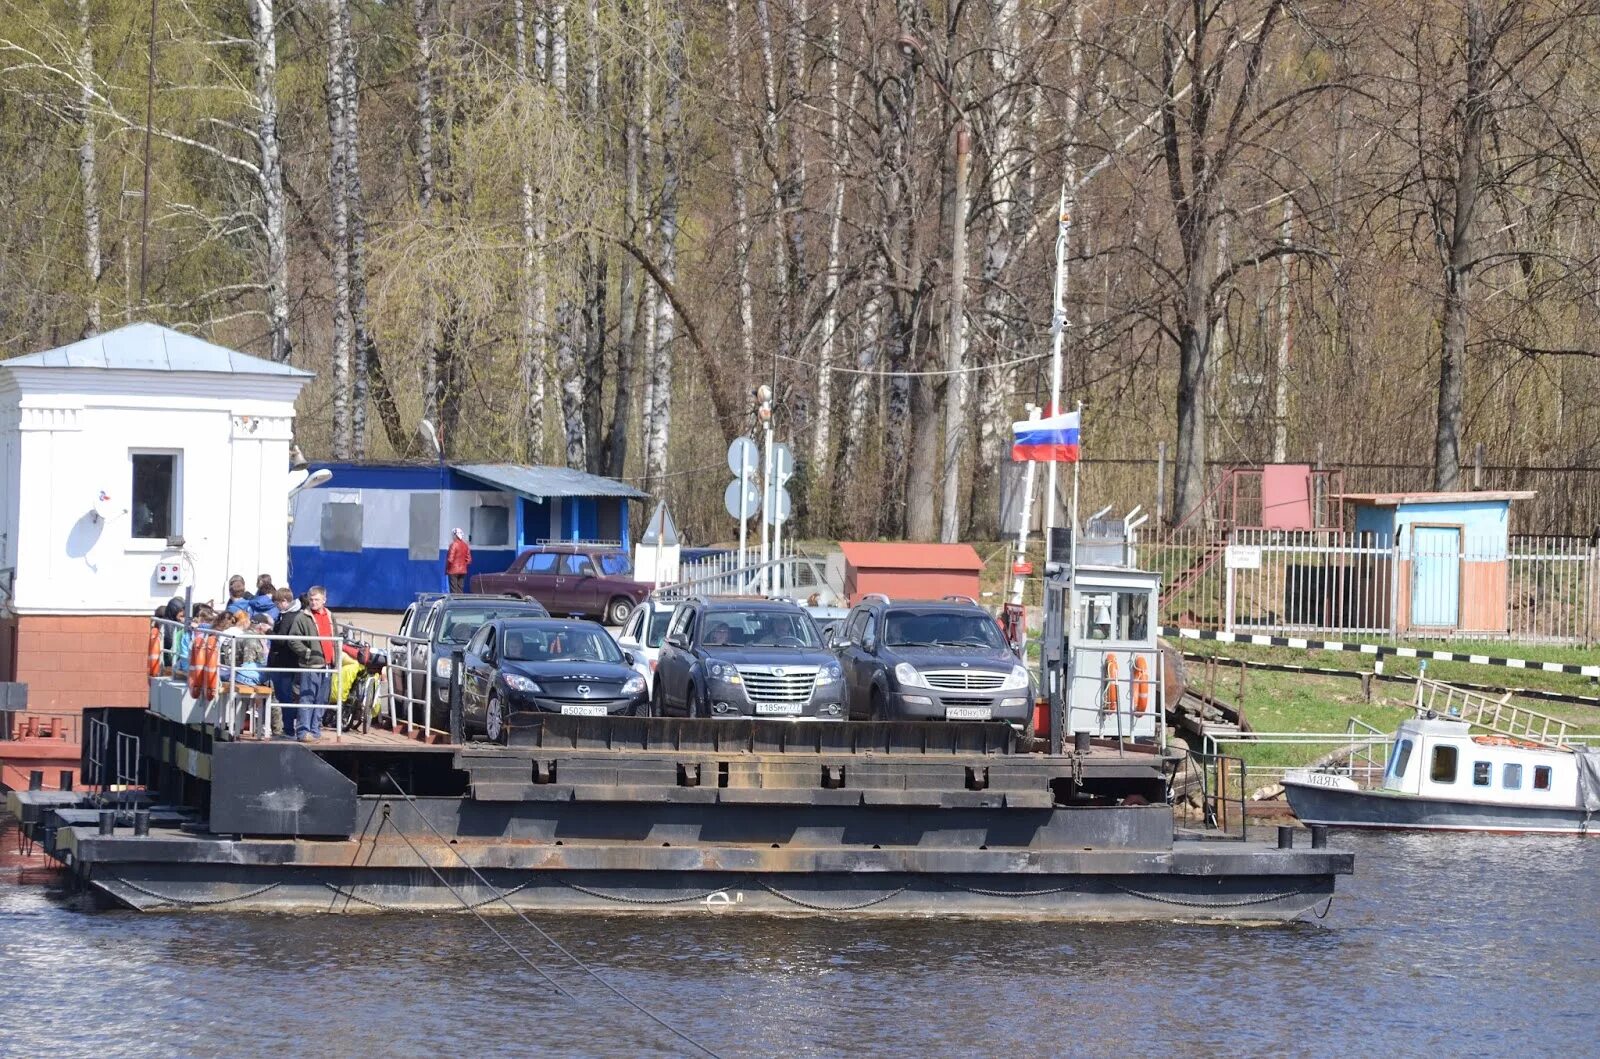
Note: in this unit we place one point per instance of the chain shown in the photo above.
(829, 908)
(195, 902)
(642, 900)
(1007, 893)
(1210, 904)
(351, 895)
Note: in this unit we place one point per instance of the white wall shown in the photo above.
(386, 514)
(75, 429)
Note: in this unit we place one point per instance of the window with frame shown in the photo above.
(541, 563)
(341, 526)
(1402, 758)
(479, 638)
(858, 622)
(577, 566)
(1541, 777)
(1511, 777)
(1482, 773)
(490, 526)
(1445, 760)
(869, 632)
(154, 495)
(681, 619)
(1116, 615)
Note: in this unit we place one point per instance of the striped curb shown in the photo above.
(1379, 650)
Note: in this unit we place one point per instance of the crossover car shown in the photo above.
(735, 657)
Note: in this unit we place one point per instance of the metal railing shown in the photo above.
(407, 694)
(795, 576)
(1534, 589)
(1500, 716)
(236, 707)
(1360, 752)
(1219, 781)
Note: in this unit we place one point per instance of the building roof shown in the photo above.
(1397, 499)
(906, 555)
(539, 483)
(151, 347)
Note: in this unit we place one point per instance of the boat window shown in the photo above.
(1402, 757)
(1444, 765)
(1116, 616)
(1511, 778)
(1541, 777)
(1482, 773)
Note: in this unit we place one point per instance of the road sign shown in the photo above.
(743, 456)
(783, 504)
(782, 462)
(752, 497)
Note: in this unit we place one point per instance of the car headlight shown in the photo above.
(633, 686)
(830, 674)
(1017, 679)
(517, 682)
(907, 675)
(725, 673)
(442, 668)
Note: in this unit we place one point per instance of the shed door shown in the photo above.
(1435, 576)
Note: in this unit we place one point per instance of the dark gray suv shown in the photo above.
(933, 660)
(746, 658)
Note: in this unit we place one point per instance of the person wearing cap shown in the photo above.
(456, 561)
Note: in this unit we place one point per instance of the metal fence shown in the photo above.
(1425, 584)
(794, 575)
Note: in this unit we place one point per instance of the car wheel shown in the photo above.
(658, 708)
(699, 704)
(879, 708)
(619, 610)
(494, 724)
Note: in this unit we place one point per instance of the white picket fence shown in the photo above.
(1530, 589)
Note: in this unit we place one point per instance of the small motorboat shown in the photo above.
(1465, 762)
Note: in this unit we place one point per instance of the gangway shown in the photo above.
(1497, 715)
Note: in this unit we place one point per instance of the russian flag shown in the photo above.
(1050, 440)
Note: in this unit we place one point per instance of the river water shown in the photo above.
(1440, 945)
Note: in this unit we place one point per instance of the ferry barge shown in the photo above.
(654, 814)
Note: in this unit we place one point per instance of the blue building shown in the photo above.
(376, 534)
(1451, 552)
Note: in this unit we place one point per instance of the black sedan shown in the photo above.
(518, 665)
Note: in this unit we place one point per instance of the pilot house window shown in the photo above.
(1121, 616)
(1541, 777)
(1482, 773)
(1444, 765)
(154, 495)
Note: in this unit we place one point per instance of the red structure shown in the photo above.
(902, 570)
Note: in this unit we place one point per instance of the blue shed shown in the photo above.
(376, 534)
(1450, 550)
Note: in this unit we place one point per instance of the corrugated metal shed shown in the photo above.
(905, 570)
(541, 483)
(907, 555)
(151, 347)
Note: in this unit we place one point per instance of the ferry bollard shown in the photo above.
(141, 821)
(1080, 742)
(1319, 836)
(108, 821)
(1285, 837)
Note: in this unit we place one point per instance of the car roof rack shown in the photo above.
(876, 595)
(958, 599)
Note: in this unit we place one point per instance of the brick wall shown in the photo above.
(72, 661)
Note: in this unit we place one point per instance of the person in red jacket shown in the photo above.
(456, 561)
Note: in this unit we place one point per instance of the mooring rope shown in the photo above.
(552, 942)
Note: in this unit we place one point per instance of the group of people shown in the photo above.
(297, 661)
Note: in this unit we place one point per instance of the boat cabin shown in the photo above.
(1113, 667)
(1440, 758)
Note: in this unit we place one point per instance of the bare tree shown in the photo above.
(87, 174)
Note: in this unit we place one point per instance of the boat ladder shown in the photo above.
(1497, 715)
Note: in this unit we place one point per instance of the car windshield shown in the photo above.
(758, 628)
(657, 632)
(614, 564)
(457, 624)
(917, 628)
(558, 643)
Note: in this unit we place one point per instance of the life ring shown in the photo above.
(1110, 698)
(152, 661)
(197, 654)
(212, 667)
(1141, 684)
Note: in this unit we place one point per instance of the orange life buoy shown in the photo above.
(1141, 684)
(197, 654)
(213, 669)
(152, 662)
(1110, 698)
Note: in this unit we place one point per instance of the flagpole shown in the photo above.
(1058, 326)
(1072, 541)
(1025, 522)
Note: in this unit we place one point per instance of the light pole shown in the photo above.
(955, 331)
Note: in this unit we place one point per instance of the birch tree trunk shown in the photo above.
(421, 16)
(616, 446)
(364, 355)
(743, 238)
(672, 130)
(339, 233)
(530, 340)
(264, 38)
(1280, 382)
(88, 177)
(821, 437)
(595, 264)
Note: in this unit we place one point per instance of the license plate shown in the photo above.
(584, 711)
(966, 713)
(770, 709)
